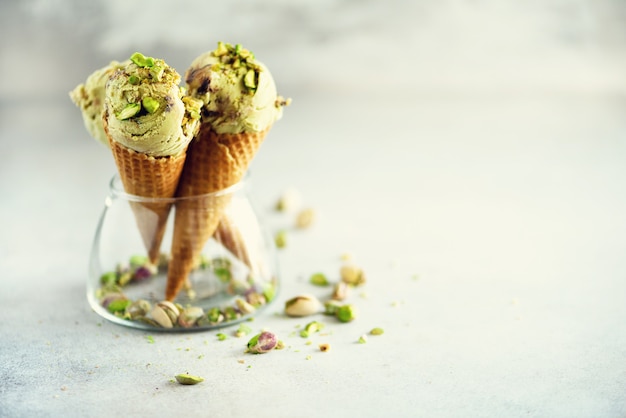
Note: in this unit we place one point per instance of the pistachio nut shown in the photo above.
(303, 305)
(165, 313)
(262, 343)
(188, 379)
(189, 316)
(244, 306)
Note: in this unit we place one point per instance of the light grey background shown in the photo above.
(470, 154)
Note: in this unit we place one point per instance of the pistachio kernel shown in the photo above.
(157, 72)
(305, 218)
(262, 343)
(141, 60)
(220, 50)
(280, 239)
(249, 80)
(134, 80)
(346, 313)
(151, 105)
(363, 339)
(377, 331)
(130, 110)
(319, 279)
(188, 379)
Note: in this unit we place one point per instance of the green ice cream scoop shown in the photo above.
(146, 110)
(89, 97)
(238, 92)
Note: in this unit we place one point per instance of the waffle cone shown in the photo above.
(214, 163)
(150, 177)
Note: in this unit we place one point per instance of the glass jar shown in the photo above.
(191, 263)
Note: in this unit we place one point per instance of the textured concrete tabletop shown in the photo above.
(470, 155)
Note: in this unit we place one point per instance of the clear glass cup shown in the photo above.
(233, 275)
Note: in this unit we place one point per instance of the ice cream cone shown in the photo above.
(149, 177)
(214, 163)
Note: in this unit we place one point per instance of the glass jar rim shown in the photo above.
(116, 189)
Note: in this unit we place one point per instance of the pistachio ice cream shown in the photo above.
(146, 110)
(89, 97)
(238, 92)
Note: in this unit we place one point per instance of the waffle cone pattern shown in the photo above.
(146, 176)
(214, 163)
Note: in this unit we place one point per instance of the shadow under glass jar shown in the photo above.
(220, 261)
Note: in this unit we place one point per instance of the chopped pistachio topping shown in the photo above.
(249, 80)
(141, 60)
(134, 80)
(156, 72)
(129, 111)
(221, 336)
(188, 379)
(151, 105)
(239, 58)
(363, 339)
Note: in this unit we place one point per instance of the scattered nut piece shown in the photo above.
(324, 347)
(352, 275)
(363, 339)
(340, 291)
(303, 305)
(188, 379)
(289, 201)
(189, 316)
(377, 331)
(319, 279)
(310, 328)
(305, 218)
(280, 239)
(346, 313)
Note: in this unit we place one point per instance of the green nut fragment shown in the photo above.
(108, 278)
(221, 336)
(346, 313)
(363, 339)
(249, 80)
(377, 331)
(151, 105)
(138, 260)
(220, 50)
(310, 328)
(157, 72)
(319, 279)
(129, 111)
(280, 239)
(141, 60)
(331, 307)
(188, 379)
(118, 305)
(134, 80)
(243, 330)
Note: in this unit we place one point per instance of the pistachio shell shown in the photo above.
(303, 305)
